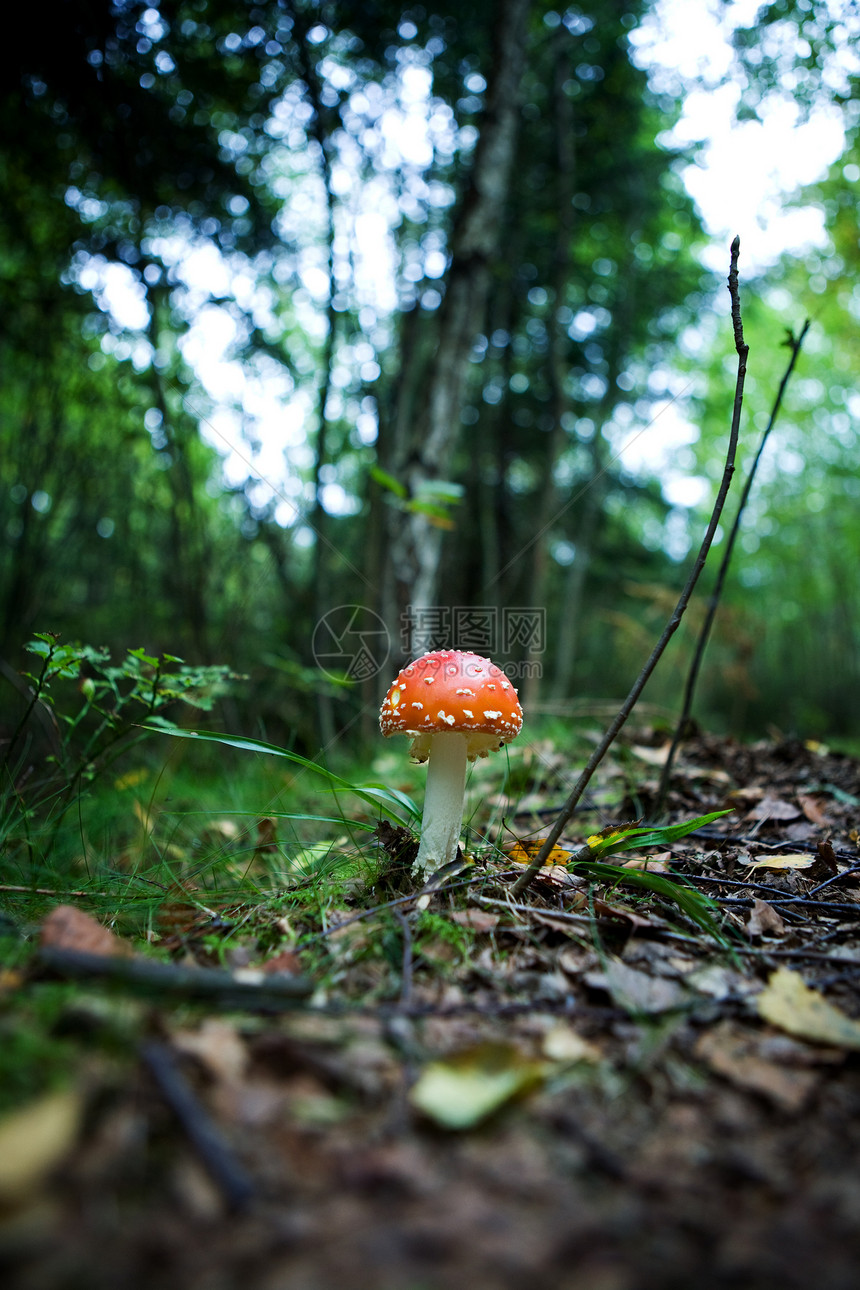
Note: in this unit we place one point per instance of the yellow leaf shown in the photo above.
(131, 779)
(34, 1140)
(561, 1043)
(461, 1090)
(783, 862)
(525, 852)
(789, 1003)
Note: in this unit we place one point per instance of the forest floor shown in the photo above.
(582, 1088)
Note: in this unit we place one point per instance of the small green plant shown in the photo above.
(92, 710)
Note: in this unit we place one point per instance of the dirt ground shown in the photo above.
(664, 1128)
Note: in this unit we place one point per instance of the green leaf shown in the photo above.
(460, 1091)
(648, 835)
(389, 801)
(385, 480)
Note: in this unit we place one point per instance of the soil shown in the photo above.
(660, 1133)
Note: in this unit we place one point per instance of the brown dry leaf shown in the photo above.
(811, 807)
(178, 918)
(287, 961)
(789, 1003)
(764, 918)
(267, 836)
(736, 1055)
(604, 909)
(217, 1047)
(69, 928)
(650, 864)
(774, 808)
(557, 876)
(746, 793)
(478, 920)
(795, 861)
(637, 991)
(34, 1140)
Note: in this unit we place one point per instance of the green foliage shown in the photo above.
(103, 711)
(615, 840)
(258, 137)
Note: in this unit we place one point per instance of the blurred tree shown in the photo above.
(447, 242)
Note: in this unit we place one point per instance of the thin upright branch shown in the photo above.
(795, 344)
(678, 613)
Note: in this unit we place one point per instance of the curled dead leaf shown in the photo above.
(764, 918)
(70, 928)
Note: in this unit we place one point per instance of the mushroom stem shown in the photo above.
(443, 802)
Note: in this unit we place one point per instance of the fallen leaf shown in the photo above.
(736, 1055)
(286, 961)
(561, 1043)
(764, 918)
(479, 920)
(784, 862)
(69, 928)
(605, 909)
(650, 864)
(774, 808)
(811, 808)
(217, 1047)
(460, 1091)
(827, 857)
(789, 1003)
(525, 852)
(653, 756)
(267, 837)
(637, 991)
(720, 982)
(34, 1140)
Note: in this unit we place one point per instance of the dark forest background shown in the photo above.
(451, 240)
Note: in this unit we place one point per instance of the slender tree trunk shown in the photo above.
(187, 571)
(428, 452)
(321, 129)
(558, 356)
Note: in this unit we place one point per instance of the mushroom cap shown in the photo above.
(452, 691)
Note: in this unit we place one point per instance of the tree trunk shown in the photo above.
(425, 452)
(565, 156)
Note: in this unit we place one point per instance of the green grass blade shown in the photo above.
(391, 802)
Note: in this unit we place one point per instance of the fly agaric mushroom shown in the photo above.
(457, 706)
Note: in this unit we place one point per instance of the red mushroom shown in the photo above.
(457, 706)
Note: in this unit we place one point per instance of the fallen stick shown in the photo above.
(199, 1127)
(148, 976)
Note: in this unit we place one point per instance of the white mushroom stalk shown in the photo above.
(456, 706)
(443, 802)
